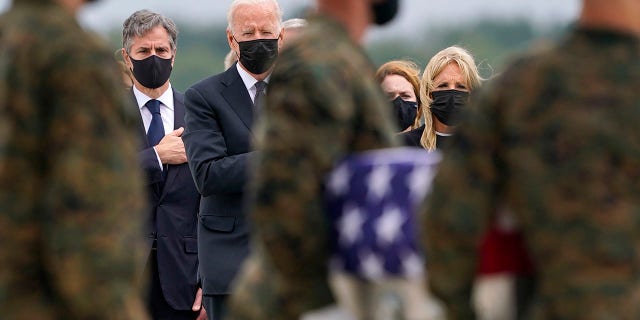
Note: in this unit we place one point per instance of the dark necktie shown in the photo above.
(258, 100)
(156, 129)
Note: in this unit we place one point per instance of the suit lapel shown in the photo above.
(178, 110)
(141, 131)
(143, 137)
(237, 96)
(178, 121)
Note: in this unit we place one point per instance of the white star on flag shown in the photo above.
(371, 265)
(339, 180)
(350, 225)
(379, 181)
(413, 265)
(389, 225)
(419, 182)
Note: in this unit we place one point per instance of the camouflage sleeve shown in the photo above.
(322, 104)
(297, 137)
(457, 210)
(92, 189)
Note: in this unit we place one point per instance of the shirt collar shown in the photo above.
(249, 80)
(166, 98)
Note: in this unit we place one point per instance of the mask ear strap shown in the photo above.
(125, 61)
(238, 43)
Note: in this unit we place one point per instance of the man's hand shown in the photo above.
(197, 305)
(171, 148)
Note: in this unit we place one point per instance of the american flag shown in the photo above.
(371, 201)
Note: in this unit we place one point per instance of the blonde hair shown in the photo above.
(408, 70)
(230, 59)
(438, 62)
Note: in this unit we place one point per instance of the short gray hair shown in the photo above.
(143, 21)
(236, 3)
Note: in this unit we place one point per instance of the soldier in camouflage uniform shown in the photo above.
(323, 103)
(71, 197)
(554, 140)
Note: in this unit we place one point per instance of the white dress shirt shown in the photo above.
(249, 81)
(166, 112)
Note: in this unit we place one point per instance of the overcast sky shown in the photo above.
(414, 14)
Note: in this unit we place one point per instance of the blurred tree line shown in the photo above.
(201, 50)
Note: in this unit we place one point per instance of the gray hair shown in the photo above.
(143, 21)
(294, 23)
(236, 3)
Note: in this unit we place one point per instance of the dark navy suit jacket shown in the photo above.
(219, 119)
(172, 219)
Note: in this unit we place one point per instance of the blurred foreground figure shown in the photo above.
(71, 198)
(555, 142)
(323, 104)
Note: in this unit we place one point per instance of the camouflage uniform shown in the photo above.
(70, 192)
(322, 104)
(556, 141)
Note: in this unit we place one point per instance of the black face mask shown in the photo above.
(257, 56)
(152, 72)
(404, 112)
(447, 105)
(384, 11)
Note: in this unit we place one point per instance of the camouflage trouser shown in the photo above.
(252, 297)
(261, 293)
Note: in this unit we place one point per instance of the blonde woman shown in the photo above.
(447, 80)
(400, 81)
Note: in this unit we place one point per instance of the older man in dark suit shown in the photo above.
(220, 114)
(149, 48)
